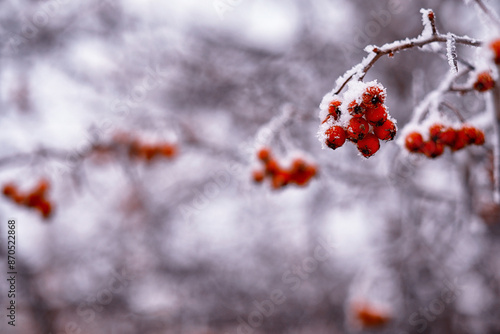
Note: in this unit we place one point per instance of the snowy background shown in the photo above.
(191, 244)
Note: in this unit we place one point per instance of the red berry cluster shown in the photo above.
(484, 82)
(368, 316)
(35, 199)
(441, 136)
(299, 173)
(495, 46)
(146, 151)
(366, 123)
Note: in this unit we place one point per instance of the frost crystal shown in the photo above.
(451, 53)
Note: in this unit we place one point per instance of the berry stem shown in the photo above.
(455, 110)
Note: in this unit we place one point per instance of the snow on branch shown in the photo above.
(428, 36)
(451, 53)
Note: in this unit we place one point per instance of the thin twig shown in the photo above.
(415, 43)
(455, 110)
(488, 12)
(376, 53)
(432, 19)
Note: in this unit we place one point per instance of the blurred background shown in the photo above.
(138, 122)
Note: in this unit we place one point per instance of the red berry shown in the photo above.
(168, 150)
(432, 149)
(301, 172)
(335, 137)
(461, 140)
(370, 317)
(19, 199)
(272, 167)
(373, 96)
(484, 82)
(298, 165)
(414, 142)
(369, 145)
(311, 170)
(495, 46)
(479, 137)
(300, 178)
(470, 134)
(357, 129)
(447, 136)
(264, 154)
(334, 109)
(376, 115)
(258, 176)
(45, 208)
(9, 190)
(435, 131)
(386, 131)
(148, 152)
(280, 179)
(356, 109)
(33, 200)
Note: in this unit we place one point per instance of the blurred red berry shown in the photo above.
(299, 165)
(258, 176)
(357, 129)
(432, 149)
(447, 136)
(435, 131)
(369, 317)
(386, 131)
(272, 167)
(369, 145)
(484, 82)
(414, 142)
(311, 170)
(377, 115)
(45, 208)
(301, 172)
(264, 154)
(33, 199)
(148, 152)
(479, 137)
(335, 137)
(19, 198)
(168, 150)
(280, 179)
(461, 140)
(470, 134)
(495, 46)
(9, 190)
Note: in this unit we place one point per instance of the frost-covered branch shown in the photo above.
(429, 35)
